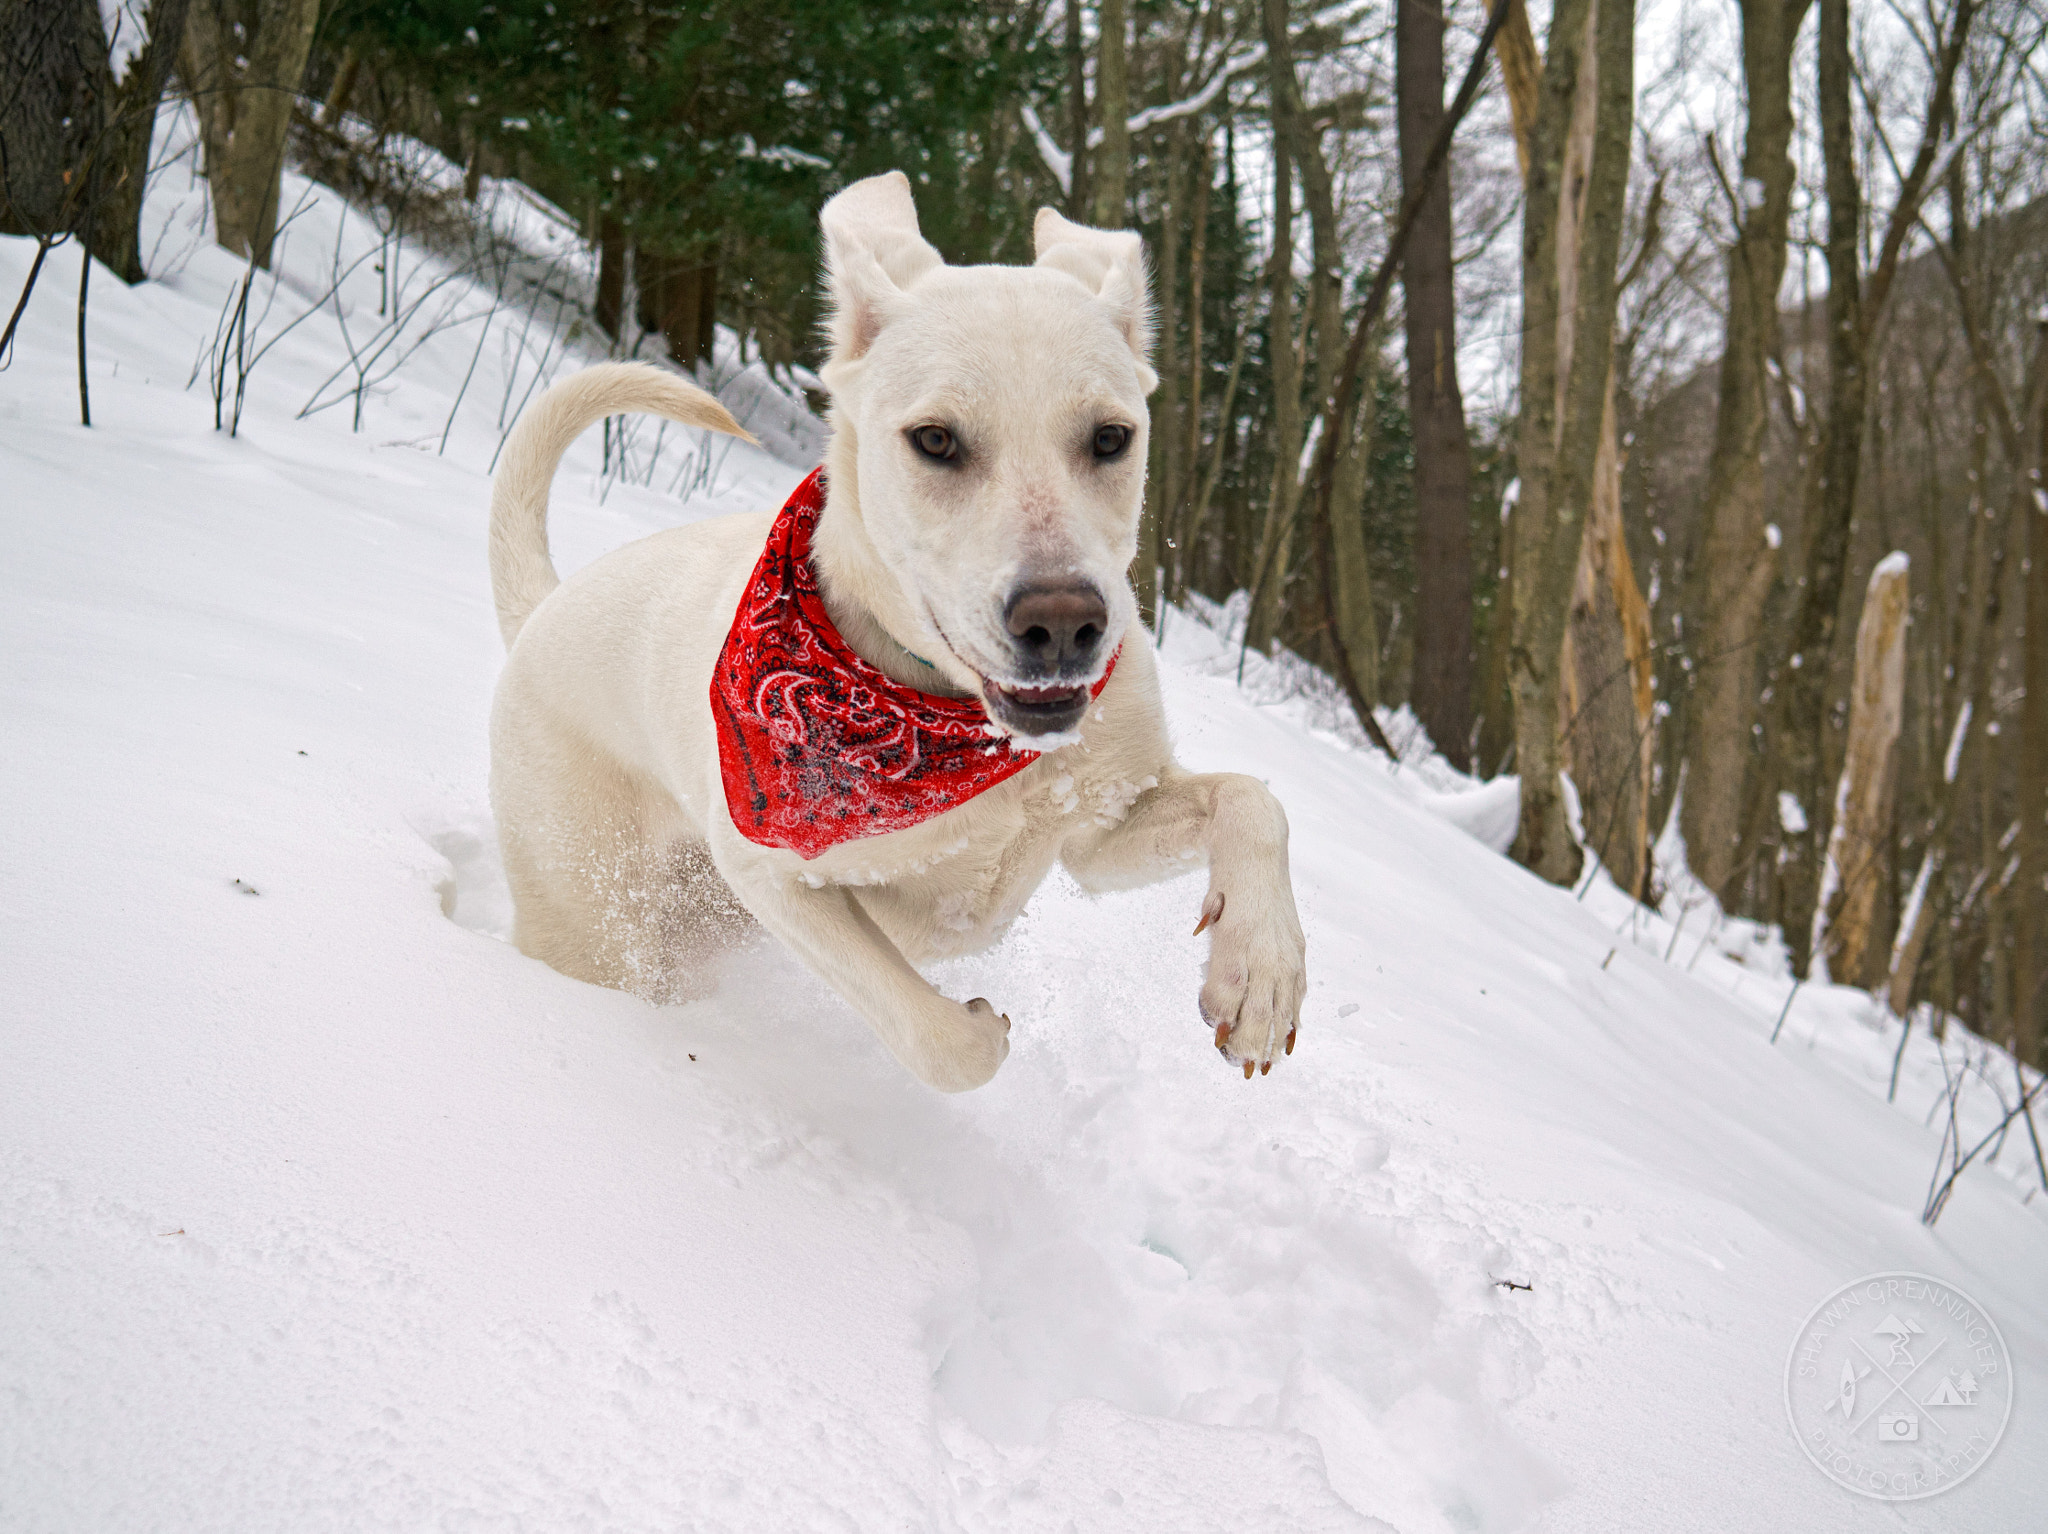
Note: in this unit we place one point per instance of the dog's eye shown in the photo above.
(1110, 441)
(935, 442)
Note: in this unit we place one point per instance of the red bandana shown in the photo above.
(816, 746)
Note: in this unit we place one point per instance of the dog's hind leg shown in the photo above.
(1256, 978)
(946, 1044)
(609, 883)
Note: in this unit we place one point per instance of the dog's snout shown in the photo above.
(1057, 628)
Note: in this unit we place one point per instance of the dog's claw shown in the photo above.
(983, 1003)
(1248, 1069)
(1212, 913)
(1265, 1067)
(1222, 1034)
(1290, 1040)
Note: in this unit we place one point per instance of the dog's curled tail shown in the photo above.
(522, 574)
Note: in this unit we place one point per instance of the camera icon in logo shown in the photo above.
(1898, 1427)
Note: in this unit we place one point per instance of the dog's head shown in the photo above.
(997, 421)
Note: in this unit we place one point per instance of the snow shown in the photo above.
(127, 27)
(1909, 915)
(322, 1207)
(1056, 159)
(1952, 758)
(1223, 73)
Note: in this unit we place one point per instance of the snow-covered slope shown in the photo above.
(323, 1208)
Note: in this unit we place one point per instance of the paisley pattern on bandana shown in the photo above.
(816, 746)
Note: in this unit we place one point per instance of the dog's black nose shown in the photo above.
(1057, 628)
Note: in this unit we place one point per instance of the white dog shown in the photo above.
(981, 499)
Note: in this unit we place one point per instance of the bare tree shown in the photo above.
(2030, 992)
(243, 65)
(1283, 349)
(1606, 668)
(1870, 771)
(1442, 687)
(138, 90)
(1854, 308)
(1571, 245)
(78, 108)
(1080, 204)
(1111, 164)
(1732, 571)
(55, 93)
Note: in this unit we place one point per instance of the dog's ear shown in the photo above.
(1111, 265)
(872, 253)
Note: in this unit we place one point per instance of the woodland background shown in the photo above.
(1673, 438)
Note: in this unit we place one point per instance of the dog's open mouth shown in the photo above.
(1024, 710)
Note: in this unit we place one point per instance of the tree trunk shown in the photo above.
(678, 298)
(1521, 76)
(56, 93)
(1276, 533)
(343, 88)
(648, 270)
(117, 224)
(1578, 174)
(1859, 843)
(1298, 140)
(245, 102)
(1349, 589)
(1351, 583)
(611, 274)
(1194, 531)
(1607, 671)
(69, 128)
(1971, 712)
(1610, 706)
(1735, 562)
(1112, 162)
(1496, 732)
(1798, 739)
(1441, 689)
(1080, 199)
(707, 312)
(1521, 69)
(2030, 906)
(1830, 496)
(1182, 524)
(1163, 487)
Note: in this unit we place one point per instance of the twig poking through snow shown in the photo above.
(1683, 912)
(1788, 1009)
(1952, 1143)
(2027, 1112)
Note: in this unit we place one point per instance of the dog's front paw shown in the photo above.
(965, 1053)
(1252, 991)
